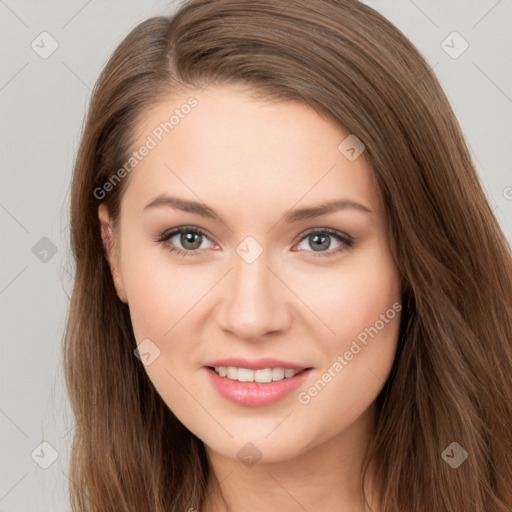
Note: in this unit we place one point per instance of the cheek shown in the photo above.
(163, 301)
(361, 305)
(352, 296)
(160, 292)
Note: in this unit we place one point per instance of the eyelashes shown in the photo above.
(312, 237)
(183, 230)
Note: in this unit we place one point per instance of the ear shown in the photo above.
(111, 251)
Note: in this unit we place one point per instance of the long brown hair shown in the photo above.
(451, 379)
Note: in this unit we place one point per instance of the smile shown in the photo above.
(243, 386)
(262, 376)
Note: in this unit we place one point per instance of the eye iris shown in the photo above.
(322, 245)
(189, 237)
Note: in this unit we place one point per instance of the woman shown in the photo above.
(290, 292)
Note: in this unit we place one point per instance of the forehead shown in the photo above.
(223, 145)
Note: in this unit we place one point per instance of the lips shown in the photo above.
(255, 364)
(228, 377)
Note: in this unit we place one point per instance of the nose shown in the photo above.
(255, 301)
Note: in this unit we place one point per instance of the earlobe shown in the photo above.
(111, 252)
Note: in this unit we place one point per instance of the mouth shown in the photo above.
(261, 376)
(259, 387)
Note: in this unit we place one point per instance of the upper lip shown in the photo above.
(255, 364)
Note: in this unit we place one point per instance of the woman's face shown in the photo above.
(267, 278)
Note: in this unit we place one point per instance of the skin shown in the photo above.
(252, 161)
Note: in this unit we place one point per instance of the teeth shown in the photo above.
(245, 375)
(278, 373)
(263, 376)
(232, 373)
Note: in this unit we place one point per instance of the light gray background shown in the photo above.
(43, 103)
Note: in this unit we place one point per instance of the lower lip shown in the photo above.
(255, 394)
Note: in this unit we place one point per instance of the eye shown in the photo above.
(321, 239)
(190, 238)
(193, 240)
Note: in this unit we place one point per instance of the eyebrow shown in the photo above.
(293, 215)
